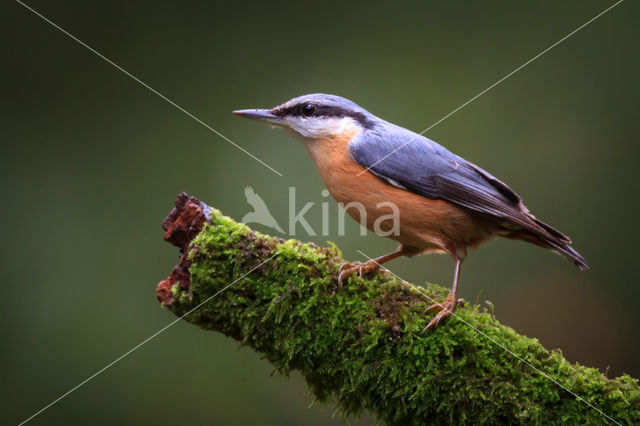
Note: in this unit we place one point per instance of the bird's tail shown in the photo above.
(570, 253)
(546, 236)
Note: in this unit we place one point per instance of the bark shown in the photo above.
(360, 347)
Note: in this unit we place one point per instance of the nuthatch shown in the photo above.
(446, 203)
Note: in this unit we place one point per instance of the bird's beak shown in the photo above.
(264, 115)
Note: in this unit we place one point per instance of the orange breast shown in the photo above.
(433, 225)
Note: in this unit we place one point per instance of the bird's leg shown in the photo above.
(448, 306)
(348, 269)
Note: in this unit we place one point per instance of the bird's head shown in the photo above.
(315, 117)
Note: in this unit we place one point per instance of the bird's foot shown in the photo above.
(348, 269)
(446, 308)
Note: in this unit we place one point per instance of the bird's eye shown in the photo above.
(308, 109)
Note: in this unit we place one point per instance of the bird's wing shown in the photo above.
(422, 166)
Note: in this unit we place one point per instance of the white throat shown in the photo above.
(320, 127)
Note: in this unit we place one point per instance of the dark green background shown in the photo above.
(92, 161)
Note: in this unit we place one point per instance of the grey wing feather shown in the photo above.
(427, 168)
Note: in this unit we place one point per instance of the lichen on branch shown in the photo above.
(360, 346)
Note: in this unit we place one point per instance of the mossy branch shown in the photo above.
(360, 346)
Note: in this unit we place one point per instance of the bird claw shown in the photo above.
(347, 269)
(446, 308)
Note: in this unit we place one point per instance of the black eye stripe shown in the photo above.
(324, 111)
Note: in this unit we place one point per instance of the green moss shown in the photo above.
(360, 346)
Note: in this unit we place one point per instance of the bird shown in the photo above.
(446, 204)
(260, 213)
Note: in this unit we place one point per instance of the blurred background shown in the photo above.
(92, 161)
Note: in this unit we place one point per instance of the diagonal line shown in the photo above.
(495, 84)
(150, 88)
(140, 344)
(419, 289)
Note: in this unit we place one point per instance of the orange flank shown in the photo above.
(426, 224)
